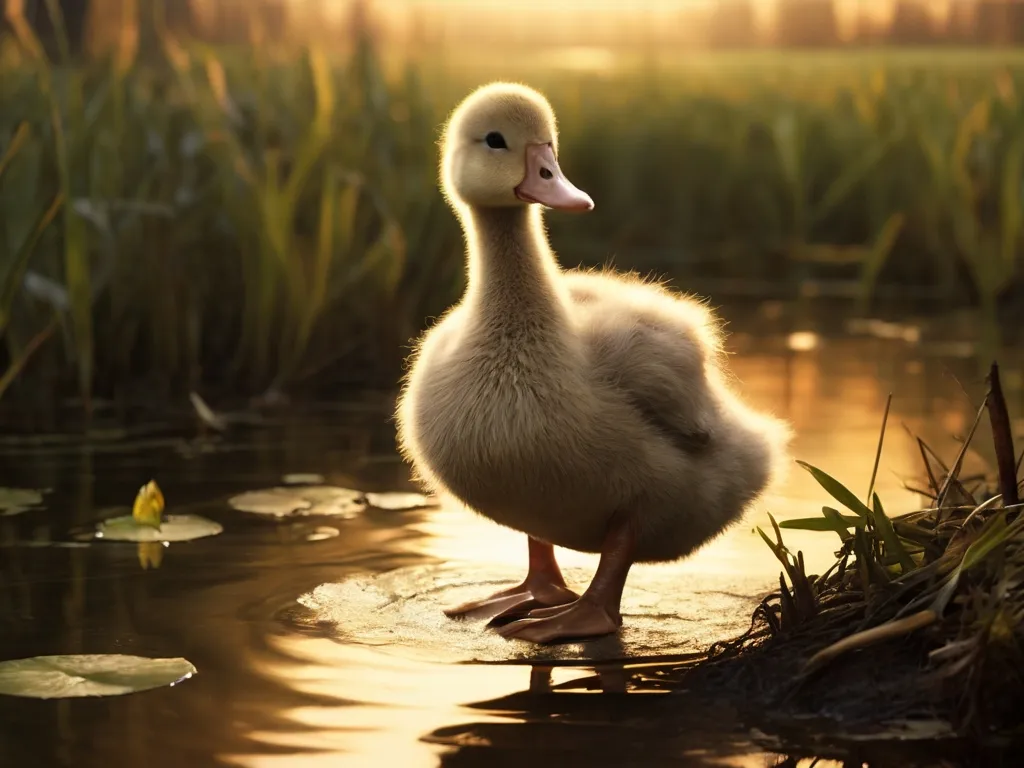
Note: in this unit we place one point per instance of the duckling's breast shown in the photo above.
(513, 441)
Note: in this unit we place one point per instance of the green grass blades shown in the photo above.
(893, 546)
(14, 272)
(838, 491)
(831, 520)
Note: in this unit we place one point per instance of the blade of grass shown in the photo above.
(932, 482)
(993, 535)
(14, 12)
(851, 176)
(321, 270)
(19, 362)
(824, 523)
(878, 450)
(76, 255)
(21, 135)
(951, 476)
(864, 560)
(16, 271)
(837, 490)
(1002, 437)
(1010, 209)
(57, 21)
(878, 256)
(893, 545)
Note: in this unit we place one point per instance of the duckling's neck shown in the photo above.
(512, 271)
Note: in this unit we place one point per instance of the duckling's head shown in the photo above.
(499, 151)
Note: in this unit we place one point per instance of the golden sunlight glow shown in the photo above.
(834, 398)
(537, 20)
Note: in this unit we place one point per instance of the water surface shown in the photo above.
(376, 676)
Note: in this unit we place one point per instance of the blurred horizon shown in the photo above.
(468, 24)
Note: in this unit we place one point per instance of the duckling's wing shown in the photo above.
(654, 347)
(685, 437)
(659, 370)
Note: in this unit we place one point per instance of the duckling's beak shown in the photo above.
(545, 183)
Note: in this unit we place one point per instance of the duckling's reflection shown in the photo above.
(611, 678)
(558, 725)
(551, 724)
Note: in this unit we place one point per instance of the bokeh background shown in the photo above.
(238, 197)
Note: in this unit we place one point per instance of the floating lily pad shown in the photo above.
(173, 528)
(300, 478)
(14, 501)
(321, 533)
(63, 677)
(397, 501)
(325, 500)
(276, 502)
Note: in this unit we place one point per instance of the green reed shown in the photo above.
(257, 218)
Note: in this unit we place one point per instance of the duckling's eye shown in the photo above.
(495, 140)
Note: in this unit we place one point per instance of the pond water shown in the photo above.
(319, 641)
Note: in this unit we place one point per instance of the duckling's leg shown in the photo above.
(543, 586)
(594, 614)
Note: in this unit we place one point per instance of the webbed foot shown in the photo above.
(542, 587)
(582, 619)
(597, 612)
(514, 602)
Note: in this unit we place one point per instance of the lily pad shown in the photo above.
(63, 677)
(302, 478)
(397, 501)
(321, 533)
(173, 528)
(14, 501)
(301, 501)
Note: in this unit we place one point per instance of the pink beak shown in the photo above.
(545, 183)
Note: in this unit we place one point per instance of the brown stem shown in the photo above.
(18, 363)
(1002, 437)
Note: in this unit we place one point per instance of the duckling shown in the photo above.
(589, 410)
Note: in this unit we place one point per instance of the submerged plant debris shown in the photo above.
(920, 618)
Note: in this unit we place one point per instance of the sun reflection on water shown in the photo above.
(834, 399)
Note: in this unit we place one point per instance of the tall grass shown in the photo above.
(255, 219)
(232, 221)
